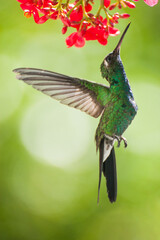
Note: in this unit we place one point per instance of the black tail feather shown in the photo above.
(110, 173)
(107, 165)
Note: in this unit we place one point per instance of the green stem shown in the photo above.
(84, 11)
(101, 3)
(60, 3)
(69, 12)
(67, 3)
(59, 7)
(108, 16)
(100, 8)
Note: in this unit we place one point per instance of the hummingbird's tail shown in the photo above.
(107, 165)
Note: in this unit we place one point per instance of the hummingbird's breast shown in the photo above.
(126, 110)
(117, 116)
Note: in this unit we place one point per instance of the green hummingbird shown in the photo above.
(115, 104)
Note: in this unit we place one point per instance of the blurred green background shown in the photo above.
(48, 162)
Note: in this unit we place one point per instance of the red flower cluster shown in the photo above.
(99, 31)
(41, 10)
(78, 16)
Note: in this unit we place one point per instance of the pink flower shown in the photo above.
(151, 3)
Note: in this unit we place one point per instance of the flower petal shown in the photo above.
(130, 4)
(88, 7)
(71, 39)
(76, 15)
(113, 31)
(42, 19)
(35, 15)
(64, 29)
(80, 42)
(124, 15)
(107, 3)
(91, 34)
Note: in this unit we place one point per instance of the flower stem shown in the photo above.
(84, 11)
(101, 3)
(69, 12)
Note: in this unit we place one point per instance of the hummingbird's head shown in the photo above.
(112, 62)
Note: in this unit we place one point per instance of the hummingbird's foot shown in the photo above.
(119, 139)
(125, 141)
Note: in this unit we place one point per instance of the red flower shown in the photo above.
(88, 26)
(107, 3)
(33, 7)
(112, 6)
(75, 39)
(88, 7)
(124, 15)
(54, 15)
(42, 19)
(29, 10)
(91, 34)
(32, 2)
(99, 33)
(64, 29)
(76, 15)
(102, 36)
(65, 21)
(113, 31)
(130, 4)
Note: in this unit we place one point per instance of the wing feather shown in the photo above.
(74, 92)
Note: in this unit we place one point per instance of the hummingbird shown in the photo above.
(114, 103)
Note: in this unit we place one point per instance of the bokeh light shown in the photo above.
(54, 133)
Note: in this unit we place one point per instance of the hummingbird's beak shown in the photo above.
(117, 49)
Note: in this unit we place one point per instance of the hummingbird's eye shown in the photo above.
(108, 59)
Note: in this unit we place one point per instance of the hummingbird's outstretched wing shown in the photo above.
(107, 165)
(81, 94)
